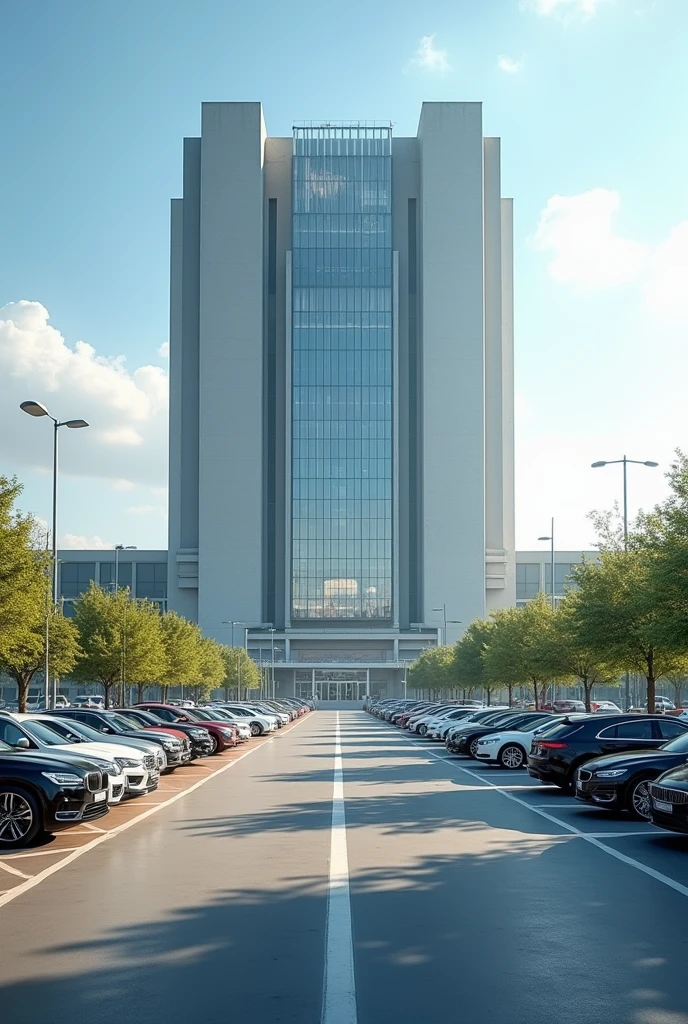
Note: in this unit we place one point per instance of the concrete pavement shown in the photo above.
(475, 895)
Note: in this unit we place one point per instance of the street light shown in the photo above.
(551, 539)
(624, 462)
(37, 409)
(272, 661)
(446, 622)
(118, 548)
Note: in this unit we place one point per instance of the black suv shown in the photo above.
(558, 752)
(42, 792)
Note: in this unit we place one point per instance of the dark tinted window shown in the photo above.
(151, 579)
(75, 577)
(668, 728)
(561, 729)
(639, 729)
(9, 732)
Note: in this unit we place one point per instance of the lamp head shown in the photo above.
(34, 409)
(596, 465)
(653, 464)
(75, 424)
(544, 538)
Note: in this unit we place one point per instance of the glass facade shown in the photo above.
(342, 373)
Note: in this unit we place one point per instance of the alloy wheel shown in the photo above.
(16, 818)
(640, 800)
(512, 757)
(474, 748)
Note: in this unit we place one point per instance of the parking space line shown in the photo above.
(13, 871)
(587, 837)
(36, 853)
(339, 989)
(31, 882)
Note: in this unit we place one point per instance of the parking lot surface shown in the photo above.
(463, 893)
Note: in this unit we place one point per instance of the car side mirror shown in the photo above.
(104, 728)
(22, 743)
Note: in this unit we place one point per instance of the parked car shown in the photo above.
(669, 800)
(240, 724)
(176, 751)
(258, 724)
(662, 704)
(199, 738)
(605, 707)
(509, 747)
(86, 701)
(465, 739)
(565, 707)
(46, 793)
(437, 728)
(221, 735)
(557, 753)
(621, 781)
(129, 771)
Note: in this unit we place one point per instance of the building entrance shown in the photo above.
(349, 690)
(332, 684)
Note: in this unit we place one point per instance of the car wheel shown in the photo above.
(512, 756)
(638, 798)
(422, 729)
(213, 745)
(473, 749)
(256, 729)
(20, 818)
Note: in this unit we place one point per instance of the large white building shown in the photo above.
(341, 390)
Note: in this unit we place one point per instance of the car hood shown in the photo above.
(149, 734)
(677, 777)
(47, 762)
(632, 759)
(107, 750)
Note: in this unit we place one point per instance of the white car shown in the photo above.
(140, 770)
(419, 723)
(438, 728)
(605, 707)
(258, 723)
(510, 747)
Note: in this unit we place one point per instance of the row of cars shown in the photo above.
(632, 763)
(69, 765)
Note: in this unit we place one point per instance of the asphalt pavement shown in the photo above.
(466, 894)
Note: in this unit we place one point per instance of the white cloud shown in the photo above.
(578, 233)
(563, 8)
(508, 64)
(428, 58)
(122, 485)
(164, 350)
(127, 411)
(77, 542)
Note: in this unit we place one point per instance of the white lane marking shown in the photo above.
(339, 990)
(19, 890)
(589, 838)
(37, 853)
(13, 871)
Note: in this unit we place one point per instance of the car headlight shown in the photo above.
(198, 734)
(490, 739)
(169, 745)
(66, 779)
(613, 773)
(227, 733)
(127, 762)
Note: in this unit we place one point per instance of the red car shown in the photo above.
(222, 734)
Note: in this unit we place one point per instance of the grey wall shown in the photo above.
(231, 366)
(451, 161)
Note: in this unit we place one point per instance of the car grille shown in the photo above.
(149, 762)
(94, 811)
(186, 743)
(584, 775)
(672, 796)
(94, 782)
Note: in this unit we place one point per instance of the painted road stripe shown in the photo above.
(339, 991)
(586, 837)
(19, 890)
(13, 871)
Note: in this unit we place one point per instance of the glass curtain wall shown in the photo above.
(342, 373)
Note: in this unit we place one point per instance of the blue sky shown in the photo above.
(588, 97)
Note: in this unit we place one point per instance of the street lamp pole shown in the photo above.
(551, 540)
(624, 462)
(37, 409)
(272, 662)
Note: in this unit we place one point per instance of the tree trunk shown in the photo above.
(139, 696)
(536, 695)
(678, 687)
(22, 680)
(510, 691)
(587, 688)
(651, 682)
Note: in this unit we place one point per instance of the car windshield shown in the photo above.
(44, 734)
(143, 716)
(208, 715)
(531, 723)
(563, 728)
(122, 722)
(84, 731)
(679, 745)
(6, 746)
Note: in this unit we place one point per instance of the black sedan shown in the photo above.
(557, 754)
(45, 793)
(621, 781)
(465, 739)
(199, 738)
(110, 723)
(669, 800)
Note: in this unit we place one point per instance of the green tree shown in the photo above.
(211, 669)
(182, 646)
(22, 571)
(571, 656)
(120, 638)
(664, 533)
(519, 651)
(240, 672)
(433, 670)
(469, 663)
(619, 615)
(24, 657)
